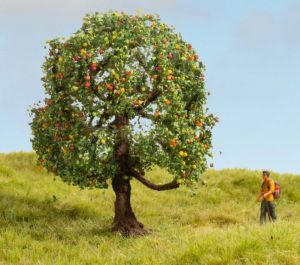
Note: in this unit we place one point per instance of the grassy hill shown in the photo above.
(45, 221)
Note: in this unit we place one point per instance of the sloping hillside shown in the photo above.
(45, 221)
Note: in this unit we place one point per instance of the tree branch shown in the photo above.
(152, 98)
(102, 119)
(168, 186)
(145, 115)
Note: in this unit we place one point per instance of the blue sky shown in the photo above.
(250, 49)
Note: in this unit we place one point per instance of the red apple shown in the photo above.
(110, 87)
(94, 66)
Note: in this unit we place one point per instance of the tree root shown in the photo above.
(129, 227)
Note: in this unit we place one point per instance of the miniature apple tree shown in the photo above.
(124, 93)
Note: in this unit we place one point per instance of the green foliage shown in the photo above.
(74, 227)
(130, 66)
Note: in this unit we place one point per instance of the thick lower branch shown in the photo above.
(168, 186)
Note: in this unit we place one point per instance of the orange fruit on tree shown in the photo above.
(199, 123)
(168, 102)
(59, 75)
(173, 142)
(156, 113)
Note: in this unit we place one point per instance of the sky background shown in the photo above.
(251, 50)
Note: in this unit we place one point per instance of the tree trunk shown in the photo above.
(125, 221)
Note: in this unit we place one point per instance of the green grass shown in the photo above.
(45, 221)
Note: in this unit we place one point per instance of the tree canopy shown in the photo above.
(122, 78)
